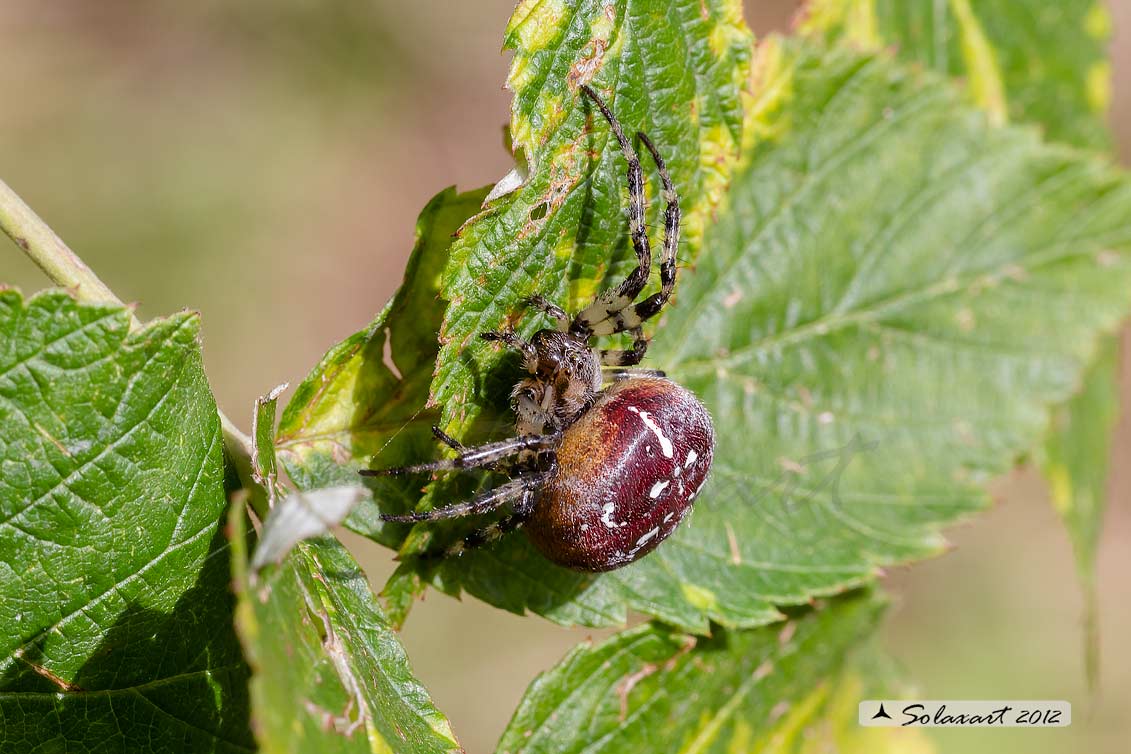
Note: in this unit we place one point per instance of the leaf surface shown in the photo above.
(115, 613)
(1076, 460)
(1050, 61)
(888, 305)
(329, 672)
(891, 296)
(366, 403)
(354, 409)
(1025, 60)
(653, 689)
(675, 69)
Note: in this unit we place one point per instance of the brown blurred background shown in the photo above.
(242, 158)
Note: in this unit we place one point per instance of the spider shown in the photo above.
(605, 465)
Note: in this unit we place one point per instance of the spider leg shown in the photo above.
(542, 304)
(496, 530)
(632, 373)
(630, 357)
(612, 301)
(482, 503)
(625, 319)
(456, 445)
(447, 439)
(650, 306)
(471, 458)
(510, 337)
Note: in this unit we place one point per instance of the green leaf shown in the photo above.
(828, 719)
(893, 298)
(893, 293)
(264, 464)
(675, 69)
(1023, 60)
(329, 674)
(1050, 61)
(654, 689)
(892, 269)
(114, 605)
(328, 671)
(1075, 460)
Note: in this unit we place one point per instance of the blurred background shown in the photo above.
(263, 162)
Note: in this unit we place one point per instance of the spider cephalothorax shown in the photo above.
(606, 463)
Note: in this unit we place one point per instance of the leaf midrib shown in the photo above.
(882, 307)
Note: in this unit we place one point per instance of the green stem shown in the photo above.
(65, 268)
(49, 252)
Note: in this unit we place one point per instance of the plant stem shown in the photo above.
(49, 252)
(65, 268)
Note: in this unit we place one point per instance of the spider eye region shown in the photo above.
(628, 471)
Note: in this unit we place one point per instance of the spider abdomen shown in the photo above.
(628, 471)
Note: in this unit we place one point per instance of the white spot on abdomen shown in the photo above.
(650, 423)
(658, 488)
(695, 493)
(645, 537)
(692, 457)
(607, 516)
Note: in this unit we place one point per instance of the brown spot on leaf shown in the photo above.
(1015, 272)
(584, 69)
(564, 175)
(1107, 258)
(791, 465)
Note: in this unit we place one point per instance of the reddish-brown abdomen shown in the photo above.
(628, 471)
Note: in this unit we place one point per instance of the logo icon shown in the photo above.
(964, 713)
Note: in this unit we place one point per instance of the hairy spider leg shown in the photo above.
(485, 502)
(456, 445)
(633, 373)
(511, 338)
(625, 319)
(498, 529)
(607, 315)
(630, 357)
(651, 306)
(447, 439)
(478, 457)
(611, 302)
(544, 305)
